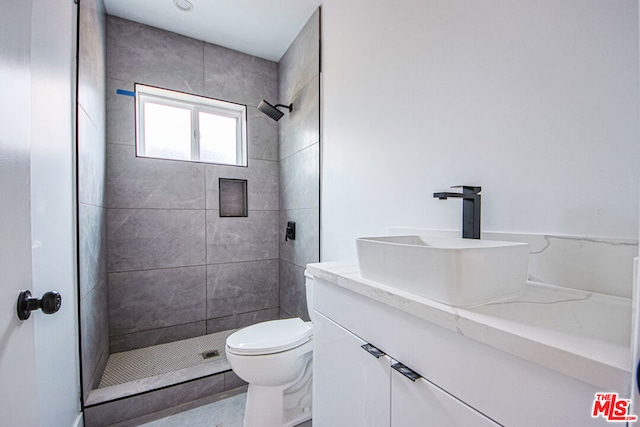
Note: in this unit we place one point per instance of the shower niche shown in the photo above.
(203, 245)
(233, 197)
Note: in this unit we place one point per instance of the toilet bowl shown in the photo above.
(275, 359)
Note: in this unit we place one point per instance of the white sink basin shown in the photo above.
(454, 271)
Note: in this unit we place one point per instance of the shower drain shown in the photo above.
(210, 354)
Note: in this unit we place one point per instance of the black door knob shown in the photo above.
(49, 303)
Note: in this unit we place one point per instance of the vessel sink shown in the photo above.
(454, 271)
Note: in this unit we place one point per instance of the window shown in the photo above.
(178, 126)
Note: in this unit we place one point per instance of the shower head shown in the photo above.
(272, 110)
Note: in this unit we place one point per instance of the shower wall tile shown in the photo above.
(299, 148)
(242, 239)
(92, 223)
(142, 239)
(301, 62)
(300, 179)
(301, 128)
(91, 161)
(292, 290)
(241, 287)
(133, 55)
(118, 411)
(284, 315)
(142, 300)
(134, 340)
(138, 182)
(231, 381)
(163, 215)
(241, 320)
(262, 133)
(305, 248)
(262, 184)
(237, 77)
(92, 381)
(94, 329)
(233, 76)
(121, 120)
(91, 153)
(91, 60)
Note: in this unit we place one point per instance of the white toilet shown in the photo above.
(275, 358)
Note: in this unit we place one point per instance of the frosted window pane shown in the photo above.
(167, 132)
(217, 138)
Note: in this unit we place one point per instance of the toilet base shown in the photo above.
(283, 406)
(264, 407)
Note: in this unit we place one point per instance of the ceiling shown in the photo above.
(264, 28)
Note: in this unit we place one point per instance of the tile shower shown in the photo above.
(153, 243)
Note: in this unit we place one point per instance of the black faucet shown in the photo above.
(470, 209)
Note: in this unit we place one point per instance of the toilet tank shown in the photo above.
(308, 283)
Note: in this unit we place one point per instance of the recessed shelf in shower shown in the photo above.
(233, 197)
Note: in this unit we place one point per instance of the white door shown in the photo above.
(17, 345)
(53, 218)
(38, 357)
(350, 386)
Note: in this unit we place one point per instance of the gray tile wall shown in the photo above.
(299, 75)
(92, 211)
(176, 269)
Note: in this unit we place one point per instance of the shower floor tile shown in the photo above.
(148, 368)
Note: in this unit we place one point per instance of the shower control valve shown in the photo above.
(290, 232)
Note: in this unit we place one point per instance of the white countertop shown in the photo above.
(581, 334)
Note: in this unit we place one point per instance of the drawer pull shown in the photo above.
(373, 350)
(412, 375)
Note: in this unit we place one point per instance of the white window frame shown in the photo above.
(196, 104)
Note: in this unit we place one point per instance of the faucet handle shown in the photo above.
(468, 188)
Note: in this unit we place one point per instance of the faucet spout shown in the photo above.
(470, 209)
(446, 195)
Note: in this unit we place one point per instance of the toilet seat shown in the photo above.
(269, 337)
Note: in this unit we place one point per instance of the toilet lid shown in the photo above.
(269, 337)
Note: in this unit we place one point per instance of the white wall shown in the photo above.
(534, 100)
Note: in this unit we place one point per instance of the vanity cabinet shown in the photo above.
(421, 403)
(465, 382)
(358, 387)
(353, 385)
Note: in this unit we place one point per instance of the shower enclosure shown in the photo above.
(164, 276)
